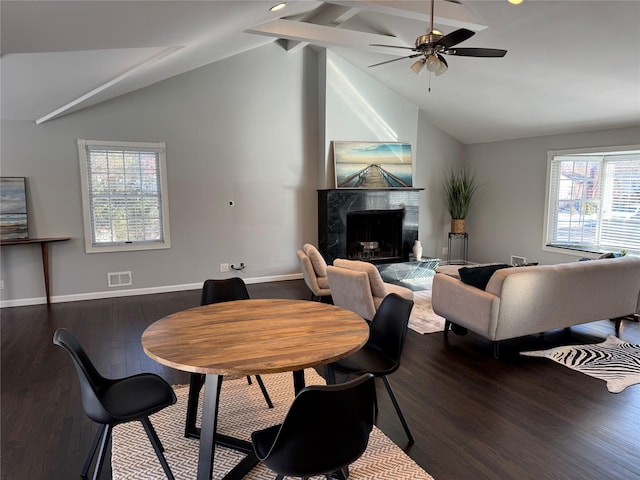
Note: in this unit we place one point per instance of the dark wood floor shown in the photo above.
(473, 417)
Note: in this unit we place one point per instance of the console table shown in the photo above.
(44, 247)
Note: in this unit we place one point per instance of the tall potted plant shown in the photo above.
(459, 187)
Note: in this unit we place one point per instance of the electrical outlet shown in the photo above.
(224, 267)
(445, 250)
(1, 284)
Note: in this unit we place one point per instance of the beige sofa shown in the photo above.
(521, 301)
(358, 286)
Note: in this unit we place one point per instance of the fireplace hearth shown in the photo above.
(375, 225)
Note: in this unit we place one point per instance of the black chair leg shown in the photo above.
(397, 407)
(152, 432)
(264, 391)
(92, 452)
(447, 326)
(104, 444)
(157, 447)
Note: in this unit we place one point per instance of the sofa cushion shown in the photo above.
(479, 276)
(319, 265)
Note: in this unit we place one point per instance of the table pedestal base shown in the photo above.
(213, 383)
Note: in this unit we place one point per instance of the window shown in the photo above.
(593, 200)
(124, 195)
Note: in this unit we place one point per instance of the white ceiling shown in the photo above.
(571, 65)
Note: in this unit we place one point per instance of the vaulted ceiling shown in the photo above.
(571, 65)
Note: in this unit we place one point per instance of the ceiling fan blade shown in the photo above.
(476, 52)
(395, 60)
(390, 46)
(455, 38)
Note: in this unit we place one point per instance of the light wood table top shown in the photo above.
(257, 336)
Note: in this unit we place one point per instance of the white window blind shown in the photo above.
(594, 201)
(124, 195)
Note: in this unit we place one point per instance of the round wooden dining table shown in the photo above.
(250, 337)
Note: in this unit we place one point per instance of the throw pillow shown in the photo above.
(479, 276)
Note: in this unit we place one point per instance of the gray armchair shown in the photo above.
(358, 286)
(314, 271)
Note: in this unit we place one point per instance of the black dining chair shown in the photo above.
(110, 402)
(326, 429)
(218, 291)
(381, 354)
(227, 290)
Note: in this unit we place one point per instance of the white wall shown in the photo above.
(358, 107)
(244, 129)
(436, 153)
(250, 129)
(507, 214)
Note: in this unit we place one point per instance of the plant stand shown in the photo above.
(464, 237)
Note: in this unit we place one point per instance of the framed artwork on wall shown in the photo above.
(372, 164)
(13, 208)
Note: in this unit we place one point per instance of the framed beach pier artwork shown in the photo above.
(373, 164)
(13, 209)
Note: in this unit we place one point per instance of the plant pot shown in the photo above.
(457, 225)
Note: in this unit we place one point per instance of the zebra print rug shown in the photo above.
(615, 361)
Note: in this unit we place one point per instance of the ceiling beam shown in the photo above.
(446, 13)
(325, 36)
(328, 14)
(68, 106)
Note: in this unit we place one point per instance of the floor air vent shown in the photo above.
(119, 279)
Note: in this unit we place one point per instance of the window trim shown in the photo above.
(572, 151)
(86, 201)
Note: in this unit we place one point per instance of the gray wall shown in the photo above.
(507, 215)
(248, 129)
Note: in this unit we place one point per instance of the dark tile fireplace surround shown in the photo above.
(379, 226)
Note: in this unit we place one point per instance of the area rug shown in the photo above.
(614, 361)
(423, 319)
(242, 410)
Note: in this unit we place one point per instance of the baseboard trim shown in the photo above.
(23, 302)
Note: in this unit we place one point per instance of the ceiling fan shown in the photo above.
(431, 47)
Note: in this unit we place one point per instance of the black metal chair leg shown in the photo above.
(152, 431)
(106, 435)
(92, 452)
(397, 407)
(264, 391)
(447, 326)
(157, 447)
(249, 380)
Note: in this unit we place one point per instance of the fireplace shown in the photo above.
(376, 225)
(374, 234)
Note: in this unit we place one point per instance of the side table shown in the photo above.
(464, 237)
(44, 249)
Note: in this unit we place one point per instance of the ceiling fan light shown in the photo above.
(443, 68)
(418, 66)
(433, 63)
